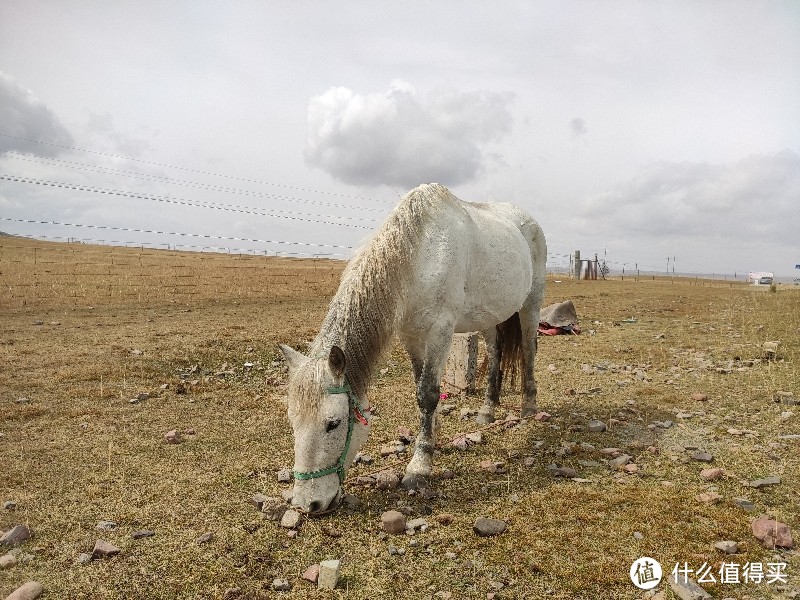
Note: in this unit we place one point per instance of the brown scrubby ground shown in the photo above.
(84, 329)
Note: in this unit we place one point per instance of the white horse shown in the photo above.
(437, 266)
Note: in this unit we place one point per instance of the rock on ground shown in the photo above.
(686, 589)
(16, 535)
(281, 585)
(772, 533)
(328, 574)
(27, 591)
(311, 573)
(291, 519)
(7, 561)
(104, 549)
(767, 481)
(489, 527)
(393, 522)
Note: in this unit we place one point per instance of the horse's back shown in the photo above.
(475, 264)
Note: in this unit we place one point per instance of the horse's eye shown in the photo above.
(332, 424)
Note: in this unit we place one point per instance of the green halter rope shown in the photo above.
(355, 412)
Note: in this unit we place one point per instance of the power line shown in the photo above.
(172, 233)
(182, 182)
(188, 170)
(183, 202)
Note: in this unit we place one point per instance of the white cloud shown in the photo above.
(24, 117)
(399, 138)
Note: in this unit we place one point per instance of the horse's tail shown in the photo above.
(509, 339)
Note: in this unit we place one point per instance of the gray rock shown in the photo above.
(16, 535)
(351, 501)
(284, 476)
(705, 457)
(727, 546)
(620, 461)
(104, 549)
(7, 561)
(281, 585)
(291, 519)
(766, 482)
(328, 574)
(596, 426)
(772, 534)
(106, 525)
(142, 533)
(205, 538)
(273, 508)
(30, 590)
(9, 505)
(745, 504)
(557, 471)
(387, 480)
(686, 588)
(417, 524)
(485, 527)
(84, 558)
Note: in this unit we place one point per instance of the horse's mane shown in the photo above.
(362, 315)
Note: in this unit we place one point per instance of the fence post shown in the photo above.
(459, 372)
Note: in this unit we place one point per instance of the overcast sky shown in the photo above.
(639, 130)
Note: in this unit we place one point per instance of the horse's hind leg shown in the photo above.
(419, 469)
(529, 321)
(491, 399)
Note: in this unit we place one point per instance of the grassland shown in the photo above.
(83, 330)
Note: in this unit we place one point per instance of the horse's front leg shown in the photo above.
(419, 470)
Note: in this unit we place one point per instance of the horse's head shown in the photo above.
(329, 427)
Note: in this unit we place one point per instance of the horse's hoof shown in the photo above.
(414, 481)
(485, 417)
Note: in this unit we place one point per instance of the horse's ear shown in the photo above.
(293, 358)
(336, 362)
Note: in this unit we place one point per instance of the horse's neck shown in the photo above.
(362, 328)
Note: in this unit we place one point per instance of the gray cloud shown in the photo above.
(399, 138)
(754, 199)
(25, 117)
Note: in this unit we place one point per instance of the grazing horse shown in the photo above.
(436, 267)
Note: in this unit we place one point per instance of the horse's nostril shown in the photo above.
(315, 506)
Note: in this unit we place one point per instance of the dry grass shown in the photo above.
(118, 322)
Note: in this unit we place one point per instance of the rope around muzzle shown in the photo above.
(355, 413)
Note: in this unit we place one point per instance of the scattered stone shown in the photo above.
(7, 561)
(708, 497)
(699, 397)
(84, 558)
(476, 437)
(766, 482)
(620, 461)
(311, 574)
(284, 476)
(734, 431)
(596, 426)
(557, 471)
(638, 535)
(328, 574)
(173, 436)
(272, 508)
(387, 480)
(684, 414)
(786, 398)
(16, 535)
(631, 468)
(712, 474)
(393, 522)
(104, 549)
(27, 591)
(287, 495)
(291, 519)
(728, 547)
(205, 538)
(492, 466)
(392, 449)
(612, 452)
(745, 504)
(663, 424)
(446, 409)
(542, 416)
(281, 585)
(142, 533)
(686, 588)
(772, 534)
(415, 525)
(351, 501)
(460, 442)
(395, 551)
(106, 525)
(703, 457)
(9, 505)
(489, 527)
